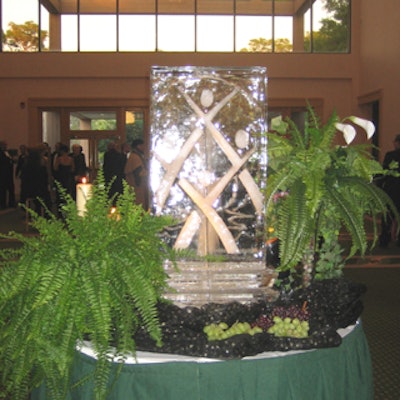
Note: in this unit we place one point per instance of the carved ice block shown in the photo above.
(208, 171)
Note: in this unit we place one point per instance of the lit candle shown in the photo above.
(83, 194)
(114, 214)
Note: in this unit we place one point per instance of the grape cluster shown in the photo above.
(289, 327)
(222, 330)
(293, 312)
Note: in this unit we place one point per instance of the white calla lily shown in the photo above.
(349, 133)
(367, 125)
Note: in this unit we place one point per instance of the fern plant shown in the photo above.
(96, 277)
(318, 189)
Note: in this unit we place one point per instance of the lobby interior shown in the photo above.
(42, 91)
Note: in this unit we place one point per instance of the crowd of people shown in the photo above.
(37, 169)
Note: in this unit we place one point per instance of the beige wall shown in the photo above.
(380, 60)
(24, 77)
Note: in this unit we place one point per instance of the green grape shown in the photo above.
(289, 328)
(222, 331)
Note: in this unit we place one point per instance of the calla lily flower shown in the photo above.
(368, 126)
(349, 133)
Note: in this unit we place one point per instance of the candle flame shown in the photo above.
(84, 180)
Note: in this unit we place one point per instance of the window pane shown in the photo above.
(69, 33)
(44, 28)
(331, 26)
(283, 34)
(254, 34)
(137, 6)
(98, 32)
(175, 33)
(214, 33)
(134, 125)
(20, 20)
(215, 6)
(307, 31)
(137, 32)
(93, 120)
(176, 6)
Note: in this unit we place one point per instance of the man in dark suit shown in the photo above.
(7, 191)
(113, 169)
(391, 185)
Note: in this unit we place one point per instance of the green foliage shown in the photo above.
(318, 189)
(96, 277)
(25, 37)
(262, 45)
(334, 31)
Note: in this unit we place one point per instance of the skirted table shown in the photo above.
(343, 372)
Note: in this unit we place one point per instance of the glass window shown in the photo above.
(176, 25)
(69, 33)
(214, 33)
(92, 120)
(137, 33)
(283, 38)
(20, 23)
(331, 22)
(44, 28)
(307, 30)
(134, 125)
(98, 32)
(176, 33)
(253, 33)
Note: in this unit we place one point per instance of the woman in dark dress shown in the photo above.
(64, 168)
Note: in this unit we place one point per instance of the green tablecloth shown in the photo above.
(339, 373)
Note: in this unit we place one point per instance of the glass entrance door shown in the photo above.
(95, 129)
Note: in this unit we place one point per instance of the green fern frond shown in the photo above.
(85, 277)
(329, 132)
(294, 225)
(298, 139)
(349, 214)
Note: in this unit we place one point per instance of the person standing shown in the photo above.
(391, 185)
(136, 172)
(7, 189)
(64, 168)
(80, 168)
(22, 157)
(113, 170)
(35, 180)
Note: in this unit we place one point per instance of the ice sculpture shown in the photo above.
(208, 170)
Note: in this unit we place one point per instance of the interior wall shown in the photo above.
(103, 77)
(380, 61)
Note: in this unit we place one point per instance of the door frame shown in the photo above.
(37, 105)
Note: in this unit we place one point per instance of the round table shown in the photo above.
(343, 372)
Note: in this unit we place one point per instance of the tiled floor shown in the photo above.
(381, 321)
(380, 271)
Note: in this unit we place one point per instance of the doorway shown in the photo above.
(93, 129)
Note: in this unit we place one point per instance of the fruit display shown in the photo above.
(308, 318)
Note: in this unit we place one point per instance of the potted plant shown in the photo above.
(96, 276)
(318, 189)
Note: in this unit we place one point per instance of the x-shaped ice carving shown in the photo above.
(205, 203)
